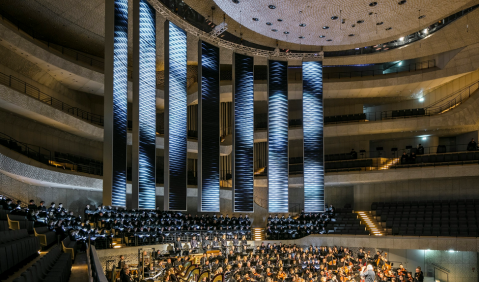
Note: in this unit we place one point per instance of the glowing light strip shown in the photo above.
(278, 162)
(208, 141)
(313, 123)
(175, 118)
(243, 133)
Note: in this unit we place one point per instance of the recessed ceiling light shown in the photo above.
(334, 17)
(302, 24)
(322, 36)
(351, 35)
(360, 21)
(389, 28)
(235, 1)
(372, 4)
(301, 37)
(370, 13)
(379, 23)
(255, 19)
(329, 40)
(274, 30)
(272, 6)
(268, 23)
(402, 2)
(280, 20)
(286, 32)
(353, 25)
(422, 17)
(326, 27)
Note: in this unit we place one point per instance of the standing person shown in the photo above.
(472, 146)
(368, 273)
(418, 276)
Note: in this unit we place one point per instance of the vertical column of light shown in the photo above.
(144, 106)
(313, 154)
(208, 127)
(175, 118)
(115, 106)
(278, 162)
(243, 133)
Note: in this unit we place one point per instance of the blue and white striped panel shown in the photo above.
(120, 104)
(177, 119)
(210, 128)
(243, 138)
(147, 159)
(313, 125)
(278, 162)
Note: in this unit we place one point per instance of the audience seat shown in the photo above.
(70, 247)
(53, 267)
(15, 247)
(45, 236)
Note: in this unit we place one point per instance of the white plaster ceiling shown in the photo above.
(316, 14)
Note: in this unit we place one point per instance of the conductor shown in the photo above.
(368, 274)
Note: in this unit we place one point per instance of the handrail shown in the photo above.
(14, 200)
(32, 91)
(456, 98)
(97, 271)
(27, 146)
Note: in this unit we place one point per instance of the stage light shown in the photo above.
(401, 38)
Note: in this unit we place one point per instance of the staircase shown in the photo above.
(371, 224)
(258, 234)
(387, 164)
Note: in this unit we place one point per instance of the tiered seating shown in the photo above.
(53, 267)
(15, 247)
(430, 218)
(408, 113)
(338, 157)
(458, 158)
(346, 222)
(15, 221)
(351, 165)
(345, 118)
(45, 236)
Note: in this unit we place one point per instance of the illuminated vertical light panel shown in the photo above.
(243, 133)
(116, 86)
(209, 127)
(278, 162)
(175, 118)
(144, 106)
(313, 154)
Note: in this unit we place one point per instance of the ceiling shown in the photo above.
(315, 14)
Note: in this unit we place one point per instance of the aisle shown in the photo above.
(79, 269)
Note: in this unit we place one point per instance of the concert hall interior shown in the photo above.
(239, 140)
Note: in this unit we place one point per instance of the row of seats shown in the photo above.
(349, 164)
(53, 267)
(424, 204)
(45, 236)
(408, 113)
(17, 221)
(345, 118)
(15, 247)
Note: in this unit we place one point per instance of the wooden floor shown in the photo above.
(79, 269)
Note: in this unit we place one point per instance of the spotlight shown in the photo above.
(425, 31)
(424, 138)
(401, 38)
(421, 99)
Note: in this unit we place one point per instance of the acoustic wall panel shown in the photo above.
(278, 162)
(209, 127)
(116, 86)
(243, 133)
(147, 106)
(175, 118)
(313, 136)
